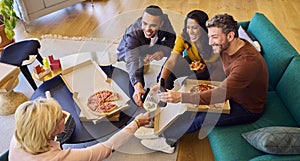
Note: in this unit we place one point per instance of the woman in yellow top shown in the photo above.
(192, 46)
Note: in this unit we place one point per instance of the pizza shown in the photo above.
(101, 102)
(196, 65)
(201, 87)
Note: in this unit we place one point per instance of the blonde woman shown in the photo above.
(39, 121)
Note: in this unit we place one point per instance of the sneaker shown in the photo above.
(145, 133)
(158, 144)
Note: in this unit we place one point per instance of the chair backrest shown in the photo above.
(4, 156)
(17, 52)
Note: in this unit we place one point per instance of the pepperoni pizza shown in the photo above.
(201, 87)
(101, 102)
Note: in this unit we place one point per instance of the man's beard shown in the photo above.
(219, 48)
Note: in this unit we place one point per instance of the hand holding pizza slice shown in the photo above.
(197, 66)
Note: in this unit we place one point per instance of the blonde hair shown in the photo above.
(35, 122)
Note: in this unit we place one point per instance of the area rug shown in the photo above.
(7, 125)
(61, 46)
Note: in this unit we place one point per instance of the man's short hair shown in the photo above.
(224, 21)
(154, 10)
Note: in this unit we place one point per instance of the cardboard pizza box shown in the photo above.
(86, 78)
(165, 116)
(217, 108)
(114, 117)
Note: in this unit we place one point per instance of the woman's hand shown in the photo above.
(143, 119)
(198, 66)
(170, 96)
(201, 68)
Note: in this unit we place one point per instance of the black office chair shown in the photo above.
(17, 52)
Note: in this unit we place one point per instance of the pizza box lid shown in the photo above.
(86, 78)
(165, 116)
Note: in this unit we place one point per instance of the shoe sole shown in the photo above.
(161, 150)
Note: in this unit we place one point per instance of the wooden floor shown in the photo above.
(81, 20)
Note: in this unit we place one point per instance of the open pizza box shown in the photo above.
(86, 78)
(165, 116)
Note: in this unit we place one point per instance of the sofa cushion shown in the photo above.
(276, 50)
(229, 137)
(289, 88)
(245, 35)
(275, 139)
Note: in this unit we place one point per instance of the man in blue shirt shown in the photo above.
(150, 36)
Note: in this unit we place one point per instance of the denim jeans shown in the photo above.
(193, 121)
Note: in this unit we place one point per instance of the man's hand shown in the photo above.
(170, 96)
(155, 56)
(138, 92)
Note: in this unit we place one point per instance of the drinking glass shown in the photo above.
(151, 103)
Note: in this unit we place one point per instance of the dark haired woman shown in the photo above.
(192, 45)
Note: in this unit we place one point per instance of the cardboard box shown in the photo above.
(217, 108)
(165, 116)
(85, 79)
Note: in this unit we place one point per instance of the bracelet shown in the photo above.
(137, 123)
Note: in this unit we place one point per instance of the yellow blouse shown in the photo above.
(192, 52)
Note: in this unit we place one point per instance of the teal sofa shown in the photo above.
(283, 99)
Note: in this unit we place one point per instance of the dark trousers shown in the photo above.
(190, 122)
(182, 69)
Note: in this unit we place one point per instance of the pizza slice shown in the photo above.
(103, 94)
(201, 87)
(106, 108)
(196, 65)
(112, 97)
(93, 103)
(205, 87)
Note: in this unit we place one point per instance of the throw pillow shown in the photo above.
(275, 140)
(243, 34)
